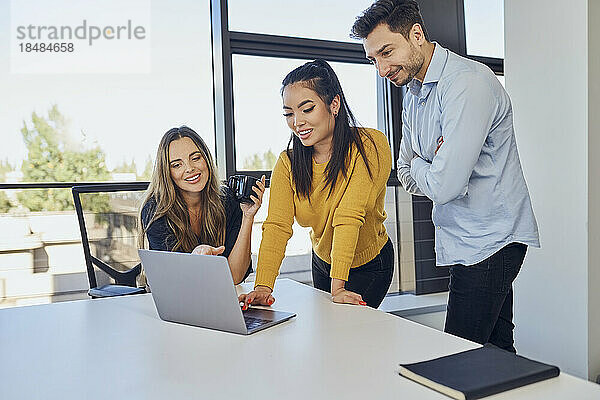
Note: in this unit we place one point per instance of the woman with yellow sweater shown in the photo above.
(332, 178)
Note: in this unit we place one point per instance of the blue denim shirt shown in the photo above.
(458, 148)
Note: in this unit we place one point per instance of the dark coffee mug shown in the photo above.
(242, 187)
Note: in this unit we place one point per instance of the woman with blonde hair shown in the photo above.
(187, 210)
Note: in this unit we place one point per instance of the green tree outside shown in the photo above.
(264, 162)
(126, 167)
(5, 203)
(147, 174)
(53, 157)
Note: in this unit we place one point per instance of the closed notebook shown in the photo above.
(478, 373)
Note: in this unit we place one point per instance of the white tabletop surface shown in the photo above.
(118, 348)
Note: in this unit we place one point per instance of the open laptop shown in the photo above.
(198, 290)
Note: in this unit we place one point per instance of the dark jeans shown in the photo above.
(371, 280)
(480, 304)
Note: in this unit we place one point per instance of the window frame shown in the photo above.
(227, 43)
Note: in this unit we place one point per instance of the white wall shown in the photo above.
(594, 187)
(546, 67)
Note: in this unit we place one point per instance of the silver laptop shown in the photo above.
(198, 290)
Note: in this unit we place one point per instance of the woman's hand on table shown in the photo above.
(260, 296)
(340, 295)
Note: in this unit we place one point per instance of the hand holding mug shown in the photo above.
(250, 209)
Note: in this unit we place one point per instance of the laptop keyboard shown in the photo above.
(253, 322)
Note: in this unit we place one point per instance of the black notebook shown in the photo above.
(478, 373)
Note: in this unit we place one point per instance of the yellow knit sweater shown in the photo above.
(347, 228)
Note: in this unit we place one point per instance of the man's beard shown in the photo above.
(412, 66)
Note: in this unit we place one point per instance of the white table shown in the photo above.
(118, 348)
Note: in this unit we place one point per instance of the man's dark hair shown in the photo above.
(398, 15)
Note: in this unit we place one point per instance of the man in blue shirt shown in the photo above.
(458, 148)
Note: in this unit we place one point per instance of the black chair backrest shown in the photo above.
(107, 215)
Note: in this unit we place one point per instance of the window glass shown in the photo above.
(484, 27)
(314, 19)
(120, 115)
(261, 132)
(94, 126)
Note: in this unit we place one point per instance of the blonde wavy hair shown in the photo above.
(170, 203)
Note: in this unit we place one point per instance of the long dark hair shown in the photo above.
(170, 202)
(319, 76)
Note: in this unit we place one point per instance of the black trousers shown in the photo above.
(480, 303)
(371, 280)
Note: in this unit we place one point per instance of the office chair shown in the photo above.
(107, 215)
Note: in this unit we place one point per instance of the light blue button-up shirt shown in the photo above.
(458, 148)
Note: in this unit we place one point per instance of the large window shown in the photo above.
(124, 115)
(484, 27)
(315, 19)
(66, 127)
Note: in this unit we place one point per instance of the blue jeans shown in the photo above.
(480, 303)
(371, 280)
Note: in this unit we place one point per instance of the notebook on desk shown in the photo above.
(478, 373)
(198, 290)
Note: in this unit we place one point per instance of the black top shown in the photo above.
(161, 237)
